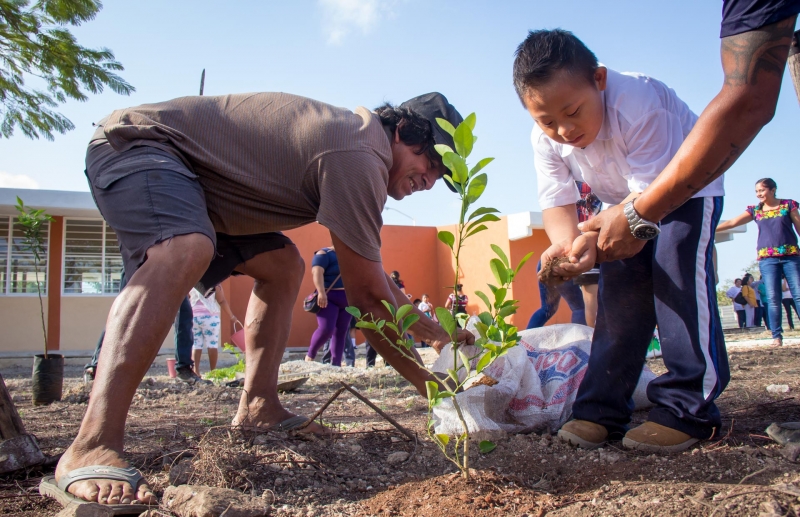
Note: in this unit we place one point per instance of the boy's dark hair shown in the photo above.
(414, 130)
(416, 302)
(544, 52)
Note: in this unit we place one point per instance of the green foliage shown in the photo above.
(35, 43)
(496, 335)
(33, 222)
(228, 373)
(486, 446)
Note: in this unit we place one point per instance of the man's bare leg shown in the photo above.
(278, 275)
(137, 324)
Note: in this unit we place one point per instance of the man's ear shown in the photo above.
(600, 77)
(397, 132)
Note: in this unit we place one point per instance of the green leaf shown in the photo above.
(393, 327)
(480, 165)
(443, 149)
(402, 311)
(487, 218)
(453, 375)
(486, 446)
(389, 307)
(457, 166)
(470, 121)
(482, 328)
(523, 261)
(499, 296)
(446, 321)
(432, 389)
(486, 318)
(464, 142)
(464, 360)
(507, 311)
(481, 211)
(455, 185)
(408, 321)
(499, 271)
(500, 253)
(485, 299)
(446, 125)
(483, 362)
(476, 187)
(447, 238)
(445, 395)
(367, 325)
(442, 439)
(476, 230)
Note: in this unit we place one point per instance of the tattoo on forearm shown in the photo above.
(746, 56)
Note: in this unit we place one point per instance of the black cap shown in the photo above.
(432, 106)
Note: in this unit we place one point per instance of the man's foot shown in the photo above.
(584, 434)
(187, 375)
(257, 417)
(653, 437)
(99, 490)
(777, 341)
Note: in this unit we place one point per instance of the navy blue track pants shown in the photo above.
(670, 283)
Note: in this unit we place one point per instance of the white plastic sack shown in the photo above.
(537, 382)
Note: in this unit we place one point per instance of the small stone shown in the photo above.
(396, 458)
(791, 451)
(181, 472)
(260, 439)
(609, 457)
(703, 493)
(778, 388)
(770, 509)
(197, 500)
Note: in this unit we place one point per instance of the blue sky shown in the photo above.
(364, 52)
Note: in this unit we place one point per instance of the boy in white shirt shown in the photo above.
(617, 132)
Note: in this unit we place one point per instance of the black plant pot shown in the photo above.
(48, 378)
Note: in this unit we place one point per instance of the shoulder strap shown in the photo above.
(333, 283)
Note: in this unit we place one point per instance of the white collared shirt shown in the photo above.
(645, 123)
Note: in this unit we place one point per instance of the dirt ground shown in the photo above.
(177, 428)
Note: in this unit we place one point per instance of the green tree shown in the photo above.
(37, 47)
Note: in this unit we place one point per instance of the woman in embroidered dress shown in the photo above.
(778, 254)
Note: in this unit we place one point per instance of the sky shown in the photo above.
(353, 53)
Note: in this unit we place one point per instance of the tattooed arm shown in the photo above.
(753, 63)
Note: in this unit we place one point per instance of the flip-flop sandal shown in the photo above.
(58, 491)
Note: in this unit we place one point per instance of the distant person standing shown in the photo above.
(788, 303)
(206, 312)
(333, 321)
(749, 294)
(732, 293)
(459, 302)
(764, 299)
(778, 224)
(399, 283)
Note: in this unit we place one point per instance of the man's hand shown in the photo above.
(582, 256)
(463, 336)
(616, 240)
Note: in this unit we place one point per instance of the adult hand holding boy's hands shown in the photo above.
(582, 256)
(616, 240)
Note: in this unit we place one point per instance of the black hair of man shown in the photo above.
(415, 129)
(545, 52)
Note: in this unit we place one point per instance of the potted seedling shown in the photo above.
(496, 335)
(48, 369)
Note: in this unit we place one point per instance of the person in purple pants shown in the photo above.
(333, 321)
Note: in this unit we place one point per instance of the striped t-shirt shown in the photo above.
(266, 161)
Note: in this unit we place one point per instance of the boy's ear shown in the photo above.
(600, 76)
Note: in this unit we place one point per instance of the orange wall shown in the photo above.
(425, 265)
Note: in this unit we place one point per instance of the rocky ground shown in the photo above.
(178, 434)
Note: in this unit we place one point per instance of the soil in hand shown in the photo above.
(547, 275)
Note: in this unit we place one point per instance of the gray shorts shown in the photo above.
(147, 197)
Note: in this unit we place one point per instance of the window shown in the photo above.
(17, 269)
(92, 262)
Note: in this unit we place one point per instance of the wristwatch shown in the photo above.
(642, 229)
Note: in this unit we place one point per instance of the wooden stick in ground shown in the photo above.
(323, 408)
(793, 63)
(378, 410)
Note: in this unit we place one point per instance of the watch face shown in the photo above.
(645, 233)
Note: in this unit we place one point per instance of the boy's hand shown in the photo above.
(582, 256)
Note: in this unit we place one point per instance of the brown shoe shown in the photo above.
(584, 434)
(653, 437)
